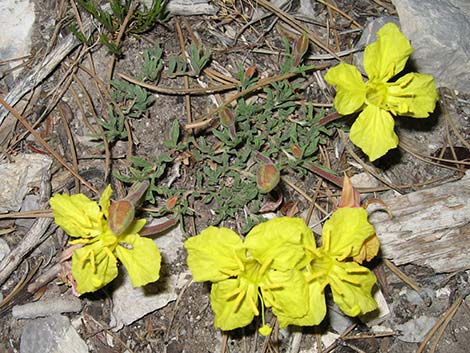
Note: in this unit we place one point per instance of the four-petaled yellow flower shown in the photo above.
(263, 267)
(412, 95)
(95, 263)
(279, 264)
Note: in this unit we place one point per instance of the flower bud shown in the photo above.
(121, 215)
(250, 72)
(226, 117)
(300, 48)
(267, 178)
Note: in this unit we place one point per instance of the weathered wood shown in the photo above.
(429, 227)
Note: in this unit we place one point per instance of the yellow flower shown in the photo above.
(412, 95)
(351, 284)
(280, 266)
(265, 266)
(95, 263)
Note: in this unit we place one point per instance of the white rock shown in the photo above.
(54, 334)
(415, 329)
(24, 173)
(327, 339)
(4, 249)
(188, 7)
(439, 31)
(130, 304)
(18, 16)
(364, 180)
(378, 315)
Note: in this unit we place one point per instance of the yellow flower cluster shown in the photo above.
(279, 265)
(94, 264)
(412, 95)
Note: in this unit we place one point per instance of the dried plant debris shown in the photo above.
(217, 143)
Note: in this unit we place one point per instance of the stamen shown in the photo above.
(315, 251)
(359, 271)
(335, 286)
(312, 277)
(239, 300)
(254, 308)
(265, 266)
(233, 293)
(239, 262)
(228, 272)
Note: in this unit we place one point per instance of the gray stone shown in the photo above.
(47, 307)
(439, 31)
(130, 304)
(18, 16)
(188, 7)
(415, 329)
(23, 174)
(339, 322)
(54, 334)
(4, 249)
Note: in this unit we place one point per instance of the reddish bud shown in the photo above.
(226, 117)
(349, 196)
(121, 215)
(300, 48)
(250, 72)
(171, 202)
(267, 178)
(296, 151)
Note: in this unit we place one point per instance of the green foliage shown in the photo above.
(199, 58)
(145, 19)
(133, 100)
(176, 66)
(80, 35)
(152, 171)
(271, 128)
(114, 128)
(153, 63)
(172, 143)
(100, 15)
(141, 20)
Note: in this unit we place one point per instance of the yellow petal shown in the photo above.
(280, 240)
(387, 56)
(215, 254)
(345, 232)
(141, 258)
(234, 302)
(412, 95)
(373, 132)
(93, 267)
(315, 305)
(351, 285)
(105, 200)
(350, 88)
(369, 250)
(136, 226)
(286, 292)
(77, 215)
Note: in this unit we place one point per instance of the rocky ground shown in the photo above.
(61, 90)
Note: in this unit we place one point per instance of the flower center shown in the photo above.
(376, 93)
